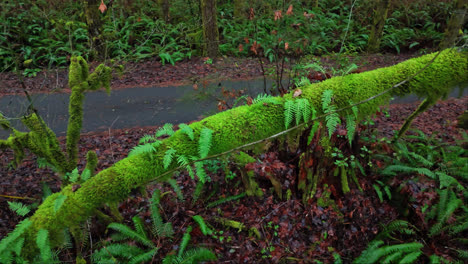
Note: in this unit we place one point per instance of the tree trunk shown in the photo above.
(236, 127)
(210, 28)
(164, 4)
(380, 15)
(455, 24)
(239, 9)
(94, 22)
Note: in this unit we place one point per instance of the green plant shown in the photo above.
(377, 252)
(12, 246)
(140, 246)
(127, 252)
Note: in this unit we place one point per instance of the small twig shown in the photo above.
(17, 197)
(110, 137)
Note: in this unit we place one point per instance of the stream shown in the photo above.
(135, 107)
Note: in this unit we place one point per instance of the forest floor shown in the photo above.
(289, 230)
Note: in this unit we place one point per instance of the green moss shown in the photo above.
(80, 81)
(91, 161)
(239, 126)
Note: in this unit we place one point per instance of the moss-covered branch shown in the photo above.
(239, 126)
(41, 140)
(80, 81)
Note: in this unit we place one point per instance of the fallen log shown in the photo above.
(236, 127)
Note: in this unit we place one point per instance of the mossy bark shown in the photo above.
(380, 15)
(164, 5)
(455, 24)
(236, 127)
(210, 28)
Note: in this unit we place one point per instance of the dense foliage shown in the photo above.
(45, 33)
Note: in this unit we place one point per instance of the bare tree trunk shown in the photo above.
(94, 22)
(239, 9)
(455, 23)
(164, 4)
(210, 28)
(380, 15)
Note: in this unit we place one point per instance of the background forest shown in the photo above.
(315, 169)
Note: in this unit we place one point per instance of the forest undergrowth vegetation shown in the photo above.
(45, 34)
(325, 189)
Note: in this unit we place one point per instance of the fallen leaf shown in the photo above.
(278, 15)
(290, 10)
(102, 7)
(297, 93)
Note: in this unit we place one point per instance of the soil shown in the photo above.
(289, 230)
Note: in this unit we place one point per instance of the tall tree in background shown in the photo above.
(93, 9)
(210, 28)
(164, 4)
(380, 15)
(455, 23)
(239, 9)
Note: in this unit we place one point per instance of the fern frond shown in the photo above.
(168, 156)
(302, 110)
(160, 228)
(350, 128)
(176, 188)
(378, 191)
(326, 100)
(42, 241)
(139, 226)
(392, 258)
(198, 191)
(73, 176)
(458, 228)
(131, 234)
(201, 173)
(463, 254)
(108, 253)
(185, 240)
(204, 143)
(265, 98)
(411, 257)
(6, 257)
(314, 130)
(19, 208)
(187, 130)
(203, 226)
(167, 129)
(401, 226)
(147, 139)
(447, 181)
(20, 228)
(59, 202)
(226, 199)
(145, 149)
(183, 161)
(354, 109)
(370, 254)
(418, 158)
(196, 255)
(17, 246)
(393, 169)
(144, 257)
(289, 112)
(332, 119)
